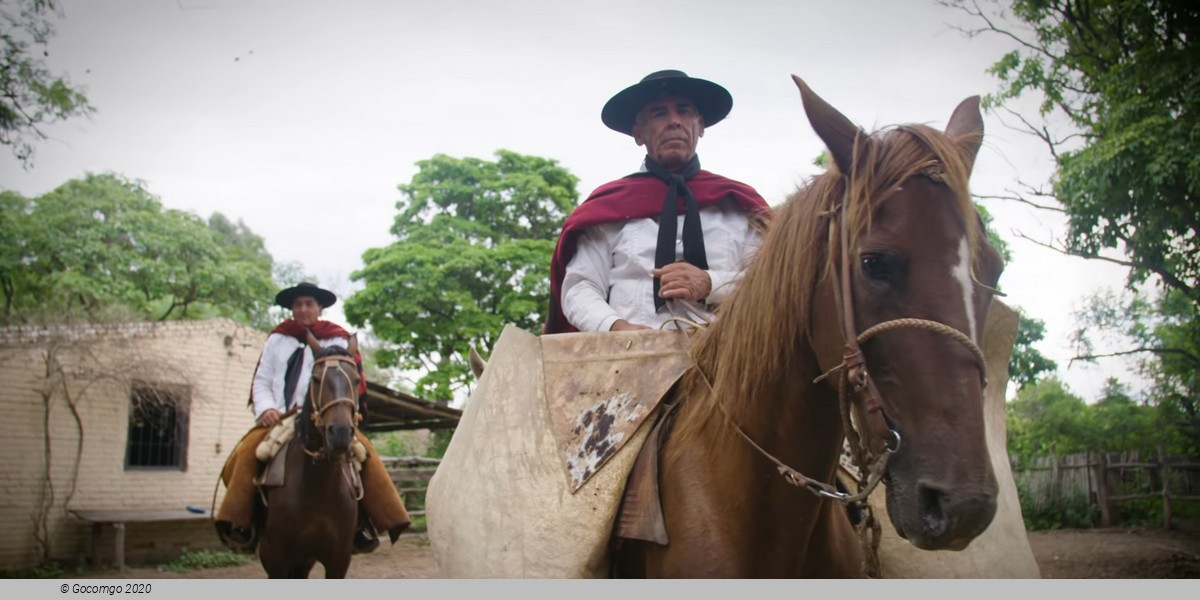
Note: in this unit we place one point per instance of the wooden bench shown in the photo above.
(118, 518)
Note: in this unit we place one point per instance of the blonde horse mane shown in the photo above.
(759, 329)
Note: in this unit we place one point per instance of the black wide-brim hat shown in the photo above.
(286, 297)
(712, 100)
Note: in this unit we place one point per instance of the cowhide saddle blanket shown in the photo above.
(533, 480)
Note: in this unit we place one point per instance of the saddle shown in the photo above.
(271, 452)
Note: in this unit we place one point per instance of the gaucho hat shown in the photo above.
(712, 100)
(286, 297)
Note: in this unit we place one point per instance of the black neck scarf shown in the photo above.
(668, 221)
(291, 377)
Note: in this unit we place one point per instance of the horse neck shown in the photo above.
(764, 522)
(793, 419)
(787, 415)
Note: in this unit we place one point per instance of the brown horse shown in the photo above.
(314, 515)
(889, 238)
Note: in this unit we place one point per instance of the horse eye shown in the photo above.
(875, 267)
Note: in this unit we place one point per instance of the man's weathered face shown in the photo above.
(305, 310)
(669, 128)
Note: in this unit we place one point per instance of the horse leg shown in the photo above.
(273, 562)
(300, 570)
(628, 560)
(337, 567)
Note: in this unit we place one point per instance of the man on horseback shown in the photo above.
(280, 386)
(616, 263)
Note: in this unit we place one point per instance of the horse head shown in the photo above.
(913, 277)
(331, 412)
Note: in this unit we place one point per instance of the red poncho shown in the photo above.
(322, 330)
(635, 197)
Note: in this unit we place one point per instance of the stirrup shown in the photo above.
(236, 538)
(365, 541)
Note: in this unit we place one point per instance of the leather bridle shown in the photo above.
(316, 393)
(857, 378)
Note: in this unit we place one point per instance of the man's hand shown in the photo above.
(683, 280)
(269, 418)
(623, 325)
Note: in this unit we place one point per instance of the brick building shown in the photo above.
(159, 406)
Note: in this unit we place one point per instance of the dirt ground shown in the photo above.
(1064, 554)
(1117, 553)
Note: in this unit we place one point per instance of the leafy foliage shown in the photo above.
(1047, 418)
(1026, 364)
(1165, 332)
(102, 248)
(30, 96)
(48, 570)
(472, 254)
(192, 560)
(1068, 511)
(1123, 73)
(394, 443)
(439, 440)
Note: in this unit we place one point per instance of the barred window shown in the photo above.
(158, 426)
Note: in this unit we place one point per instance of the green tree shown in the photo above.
(30, 95)
(1122, 73)
(472, 254)
(1046, 416)
(1165, 334)
(1119, 423)
(1026, 364)
(103, 248)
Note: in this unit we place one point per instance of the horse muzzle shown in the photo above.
(939, 517)
(338, 437)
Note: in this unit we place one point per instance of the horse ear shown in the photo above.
(354, 345)
(838, 133)
(477, 363)
(312, 342)
(967, 123)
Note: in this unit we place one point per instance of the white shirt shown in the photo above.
(267, 391)
(609, 277)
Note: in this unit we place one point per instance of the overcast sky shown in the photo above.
(301, 117)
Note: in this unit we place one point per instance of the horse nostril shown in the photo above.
(340, 436)
(933, 514)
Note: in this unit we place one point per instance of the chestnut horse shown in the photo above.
(314, 515)
(881, 262)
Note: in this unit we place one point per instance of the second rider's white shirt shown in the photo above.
(267, 390)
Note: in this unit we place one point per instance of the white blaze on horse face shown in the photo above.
(962, 274)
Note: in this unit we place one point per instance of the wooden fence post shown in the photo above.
(1166, 487)
(1087, 475)
(1102, 490)
(1055, 473)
